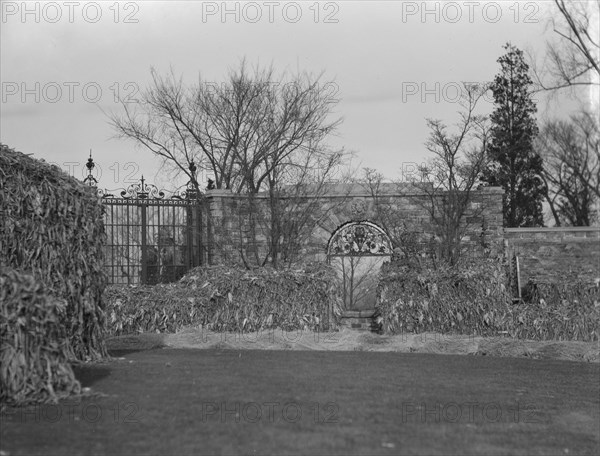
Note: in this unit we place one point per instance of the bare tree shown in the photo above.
(286, 214)
(407, 237)
(256, 132)
(573, 59)
(459, 157)
(297, 201)
(447, 181)
(571, 152)
(241, 130)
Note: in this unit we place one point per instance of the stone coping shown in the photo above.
(554, 229)
(404, 189)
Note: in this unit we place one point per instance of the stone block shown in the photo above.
(475, 220)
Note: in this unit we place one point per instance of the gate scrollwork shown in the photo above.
(359, 239)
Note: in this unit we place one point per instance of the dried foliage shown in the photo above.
(559, 311)
(474, 299)
(51, 226)
(34, 356)
(467, 300)
(221, 298)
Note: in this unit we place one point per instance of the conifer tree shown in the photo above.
(513, 163)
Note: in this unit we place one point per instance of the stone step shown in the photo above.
(360, 320)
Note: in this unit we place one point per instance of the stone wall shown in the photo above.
(545, 254)
(552, 254)
(230, 229)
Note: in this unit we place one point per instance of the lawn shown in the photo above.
(187, 401)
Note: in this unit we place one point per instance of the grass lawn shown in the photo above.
(186, 401)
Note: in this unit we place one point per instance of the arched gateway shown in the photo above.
(357, 250)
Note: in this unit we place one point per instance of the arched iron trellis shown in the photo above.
(359, 239)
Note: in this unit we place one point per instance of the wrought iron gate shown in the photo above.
(151, 238)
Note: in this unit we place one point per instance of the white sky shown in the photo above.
(376, 51)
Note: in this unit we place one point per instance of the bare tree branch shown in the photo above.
(574, 59)
(571, 151)
(455, 169)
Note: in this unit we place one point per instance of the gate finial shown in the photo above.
(90, 165)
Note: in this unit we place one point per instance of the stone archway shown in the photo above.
(357, 249)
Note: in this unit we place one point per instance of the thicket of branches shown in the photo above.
(571, 152)
(458, 157)
(255, 132)
(569, 146)
(572, 57)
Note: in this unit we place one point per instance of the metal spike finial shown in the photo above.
(90, 165)
(143, 191)
(191, 191)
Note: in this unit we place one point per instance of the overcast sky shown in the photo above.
(63, 64)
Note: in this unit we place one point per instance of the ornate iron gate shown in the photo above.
(357, 246)
(151, 238)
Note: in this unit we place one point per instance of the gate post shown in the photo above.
(193, 220)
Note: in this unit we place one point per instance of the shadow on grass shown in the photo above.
(90, 374)
(124, 345)
(125, 352)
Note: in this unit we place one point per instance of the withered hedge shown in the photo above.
(34, 351)
(471, 299)
(222, 298)
(51, 226)
(474, 299)
(558, 311)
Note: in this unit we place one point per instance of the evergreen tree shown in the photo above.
(513, 162)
